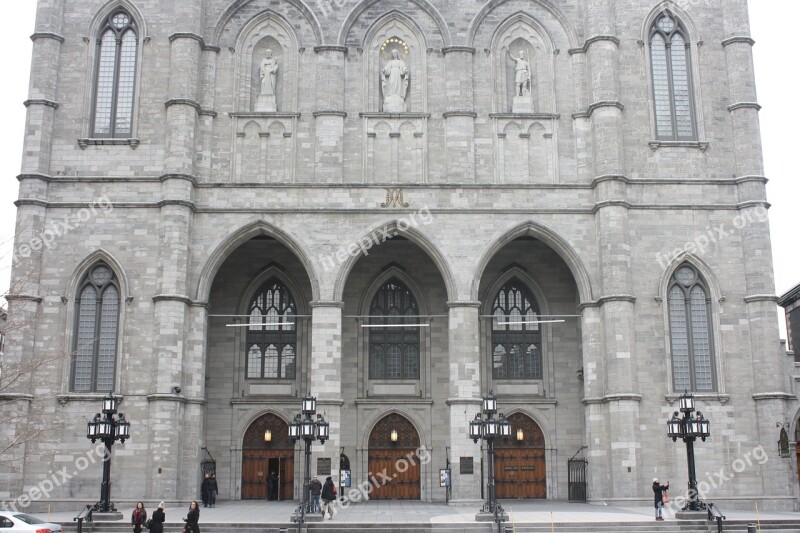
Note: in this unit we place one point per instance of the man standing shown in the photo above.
(272, 486)
(213, 489)
(315, 489)
(328, 497)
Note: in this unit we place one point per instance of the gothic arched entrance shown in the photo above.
(519, 462)
(393, 462)
(266, 448)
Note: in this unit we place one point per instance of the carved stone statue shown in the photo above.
(522, 103)
(269, 80)
(395, 78)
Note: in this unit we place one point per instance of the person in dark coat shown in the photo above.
(138, 518)
(315, 490)
(328, 497)
(272, 486)
(204, 491)
(157, 524)
(658, 493)
(192, 518)
(212, 489)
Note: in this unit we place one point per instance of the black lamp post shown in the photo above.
(108, 429)
(485, 426)
(305, 428)
(689, 428)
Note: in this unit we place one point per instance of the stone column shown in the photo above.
(460, 116)
(176, 453)
(330, 114)
(770, 392)
(465, 395)
(613, 417)
(325, 381)
(24, 294)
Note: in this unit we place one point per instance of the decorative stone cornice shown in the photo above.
(761, 396)
(192, 103)
(63, 399)
(460, 113)
(752, 177)
(15, 397)
(47, 35)
(754, 298)
(326, 303)
(264, 114)
(702, 396)
(330, 48)
(23, 298)
(590, 41)
(195, 37)
(161, 397)
(464, 401)
(188, 177)
(746, 39)
(744, 105)
(329, 113)
(462, 303)
(699, 145)
(184, 203)
(40, 101)
(610, 203)
(132, 142)
(463, 49)
(180, 298)
(531, 116)
(616, 397)
(753, 203)
(609, 177)
(394, 115)
(34, 176)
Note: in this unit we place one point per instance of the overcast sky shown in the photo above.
(773, 26)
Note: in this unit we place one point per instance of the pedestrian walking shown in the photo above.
(328, 497)
(660, 496)
(192, 518)
(157, 522)
(138, 518)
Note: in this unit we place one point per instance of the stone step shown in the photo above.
(331, 526)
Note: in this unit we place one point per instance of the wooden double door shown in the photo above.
(394, 468)
(519, 464)
(256, 468)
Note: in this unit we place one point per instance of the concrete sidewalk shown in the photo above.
(399, 512)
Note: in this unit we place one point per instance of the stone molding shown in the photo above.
(460, 113)
(391, 400)
(463, 401)
(193, 36)
(168, 397)
(15, 397)
(132, 142)
(329, 113)
(753, 298)
(744, 105)
(704, 396)
(330, 48)
(616, 397)
(761, 396)
(738, 39)
(63, 399)
(465, 303)
(40, 101)
(699, 145)
(610, 203)
(590, 41)
(192, 103)
(47, 35)
(179, 298)
(464, 49)
(23, 298)
(264, 114)
(325, 303)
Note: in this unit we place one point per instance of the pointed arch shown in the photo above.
(697, 262)
(236, 5)
(424, 5)
(113, 5)
(547, 236)
(260, 421)
(396, 227)
(233, 240)
(417, 423)
(481, 15)
(83, 266)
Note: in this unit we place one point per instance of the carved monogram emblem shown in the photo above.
(394, 198)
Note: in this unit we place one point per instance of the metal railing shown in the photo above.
(715, 514)
(85, 514)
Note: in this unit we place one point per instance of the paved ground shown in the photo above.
(394, 511)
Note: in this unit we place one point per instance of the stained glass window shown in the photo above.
(272, 333)
(94, 350)
(115, 77)
(670, 63)
(690, 331)
(394, 349)
(516, 339)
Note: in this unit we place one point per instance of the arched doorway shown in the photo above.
(519, 462)
(393, 462)
(266, 448)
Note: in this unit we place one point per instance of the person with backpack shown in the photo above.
(328, 497)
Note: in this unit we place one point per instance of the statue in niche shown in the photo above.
(522, 103)
(269, 81)
(394, 83)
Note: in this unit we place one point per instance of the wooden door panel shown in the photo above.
(255, 470)
(394, 483)
(520, 473)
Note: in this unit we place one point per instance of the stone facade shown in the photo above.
(578, 199)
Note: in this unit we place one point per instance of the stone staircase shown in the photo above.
(684, 526)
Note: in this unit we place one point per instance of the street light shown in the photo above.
(485, 426)
(107, 429)
(689, 429)
(305, 428)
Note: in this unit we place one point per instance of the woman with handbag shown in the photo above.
(138, 518)
(660, 495)
(158, 519)
(192, 518)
